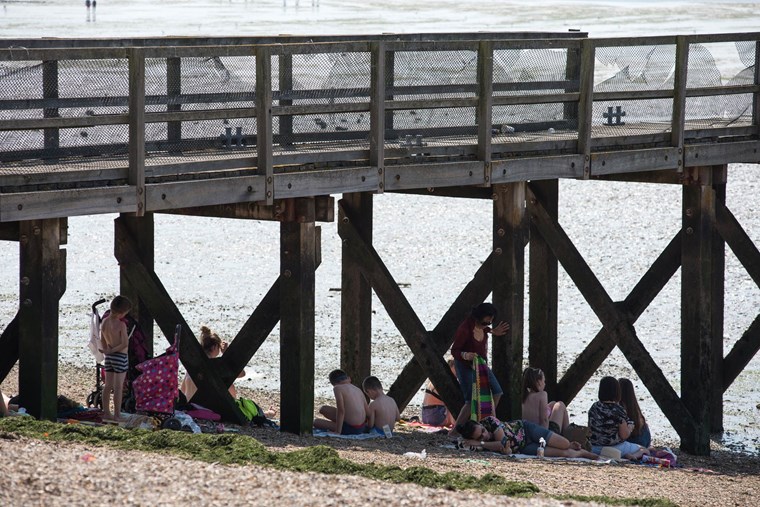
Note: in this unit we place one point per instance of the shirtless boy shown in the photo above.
(349, 416)
(382, 409)
(114, 344)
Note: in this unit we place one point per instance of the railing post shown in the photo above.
(756, 95)
(680, 78)
(264, 119)
(286, 85)
(485, 105)
(390, 76)
(173, 91)
(377, 113)
(136, 176)
(50, 91)
(586, 103)
(573, 75)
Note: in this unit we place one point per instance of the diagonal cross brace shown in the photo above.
(745, 250)
(475, 292)
(167, 316)
(617, 325)
(399, 310)
(642, 295)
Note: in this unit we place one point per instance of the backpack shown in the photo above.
(252, 412)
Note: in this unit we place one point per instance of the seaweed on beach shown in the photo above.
(235, 449)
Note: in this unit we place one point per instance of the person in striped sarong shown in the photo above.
(471, 345)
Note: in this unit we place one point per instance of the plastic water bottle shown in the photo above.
(387, 431)
(540, 450)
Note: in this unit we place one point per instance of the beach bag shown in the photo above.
(252, 412)
(580, 434)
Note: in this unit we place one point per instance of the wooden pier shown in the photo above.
(272, 128)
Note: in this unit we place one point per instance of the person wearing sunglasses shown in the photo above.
(471, 341)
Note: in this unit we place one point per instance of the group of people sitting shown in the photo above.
(352, 415)
(613, 421)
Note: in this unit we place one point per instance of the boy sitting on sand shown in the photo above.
(382, 409)
(349, 416)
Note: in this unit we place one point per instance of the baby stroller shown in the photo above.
(157, 387)
(138, 353)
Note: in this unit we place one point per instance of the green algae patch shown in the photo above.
(236, 449)
(609, 500)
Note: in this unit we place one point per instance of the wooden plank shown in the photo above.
(306, 184)
(439, 103)
(509, 233)
(514, 100)
(61, 123)
(616, 42)
(678, 119)
(718, 283)
(696, 313)
(399, 177)
(43, 273)
(586, 104)
(713, 91)
(485, 104)
(756, 80)
(187, 194)
(60, 53)
(400, 312)
(543, 301)
(536, 168)
(618, 162)
(212, 391)
(297, 284)
(136, 174)
(723, 37)
(642, 295)
(339, 107)
(173, 102)
(141, 231)
(617, 325)
(264, 119)
(285, 76)
(662, 177)
(537, 42)
(8, 231)
(432, 45)
(412, 375)
(66, 203)
(9, 346)
(356, 294)
(743, 351)
(378, 113)
(459, 192)
(632, 95)
(715, 133)
(50, 91)
(279, 212)
(201, 115)
(722, 153)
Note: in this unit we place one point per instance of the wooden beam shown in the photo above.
(485, 104)
(741, 354)
(43, 271)
(377, 111)
(718, 282)
(356, 296)
(173, 104)
(586, 103)
(617, 325)
(412, 375)
(141, 231)
(642, 295)
(400, 311)
(297, 284)
(281, 211)
(137, 126)
(741, 244)
(264, 119)
(696, 314)
(212, 391)
(9, 347)
(466, 192)
(509, 232)
(50, 91)
(542, 305)
(9, 231)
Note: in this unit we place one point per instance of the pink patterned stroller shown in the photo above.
(157, 387)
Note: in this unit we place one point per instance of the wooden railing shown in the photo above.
(139, 140)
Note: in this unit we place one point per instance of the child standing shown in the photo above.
(349, 415)
(114, 344)
(535, 405)
(382, 410)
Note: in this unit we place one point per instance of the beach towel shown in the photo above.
(362, 436)
(482, 400)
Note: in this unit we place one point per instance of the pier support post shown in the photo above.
(297, 267)
(508, 287)
(141, 231)
(42, 266)
(699, 382)
(356, 296)
(542, 344)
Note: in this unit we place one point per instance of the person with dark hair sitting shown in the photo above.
(640, 433)
(609, 424)
(518, 437)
